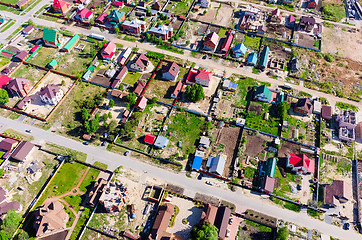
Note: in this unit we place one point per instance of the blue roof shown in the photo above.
(239, 49)
(252, 58)
(197, 163)
(233, 85)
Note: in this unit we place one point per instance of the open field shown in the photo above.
(29, 72)
(179, 8)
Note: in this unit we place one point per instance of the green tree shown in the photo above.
(87, 127)
(159, 40)
(111, 103)
(153, 100)
(112, 125)
(93, 125)
(148, 37)
(4, 235)
(23, 236)
(205, 231)
(4, 97)
(11, 222)
(1, 172)
(105, 117)
(328, 57)
(110, 115)
(283, 233)
(187, 42)
(98, 99)
(283, 109)
(116, 30)
(131, 98)
(85, 114)
(195, 92)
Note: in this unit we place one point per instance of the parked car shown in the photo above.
(127, 153)
(228, 232)
(231, 220)
(86, 143)
(209, 183)
(28, 130)
(346, 226)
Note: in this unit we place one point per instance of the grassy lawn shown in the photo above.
(74, 201)
(4, 61)
(342, 105)
(252, 42)
(101, 165)
(185, 127)
(293, 122)
(28, 72)
(44, 56)
(64, 181)
(258, 122)
(81, 221)
(9, 9)
(261, 228)
(222, 32)
(130, 38)
(333, 11)
(132, 77)
(181, 8)
(240, 98)
(10, 1)
(171, 49)
(18, 135)
(88, 180)
(284, 187)
(66, 151)
(7, 25)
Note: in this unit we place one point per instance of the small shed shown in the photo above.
(317, 106)
(161, 142)
(53, 63)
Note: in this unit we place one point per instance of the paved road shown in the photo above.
(191, 185)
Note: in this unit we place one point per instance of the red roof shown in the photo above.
(149, 138)
(34, 48)
(141, 102)
(59, 3)
(109, 49)
(85, 13)
(4, 80)
(177, 88)
(227, 42)
(204, 75)
(101, 18)
(117, 3)
(301, 160)
(139, 87)
(7, 143)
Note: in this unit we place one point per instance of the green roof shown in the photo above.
(52, 63)
(116, 15)
(264, 57)
(50, 35)
(271, 165)
(71, 42)
(263, 89)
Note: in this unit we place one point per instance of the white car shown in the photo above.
(227, 233)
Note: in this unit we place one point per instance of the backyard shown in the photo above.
(31, 73)
(262, 117)
(179, 8)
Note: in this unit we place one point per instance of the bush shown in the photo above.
(195, 92)
(283, 233)
(4, 97)
(329, 58)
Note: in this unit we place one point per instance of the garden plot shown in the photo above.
(4, 62)
(226, 143)
(189, 215)
(37, 107)
(252, 43)
(179, 8)
(43, 56)
(255, 231)
(254, 148)
(194, 32)
(263, 117)
(304, 124)
(278, 31)
(31, 73)
(244, 91)
(162, 89)
(225, 16)
(210, 14)
(31, 183)
(305, 40)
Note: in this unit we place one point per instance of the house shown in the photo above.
(304, 106)
(170, 71)
(5, 206)
(162, 31)
(268, 184)
(149, 139)
(198, 158)
(229, 86)
(239, 50)
(161, 142)
(157, 6)
(116, 17)
(119, 77)
(294, 65)
(300, 164)
(116, 93)
(7, 145)
(317, 107)
(22, 151)
(261, 30)
(227, 42)
(204, 142)
(176, 90)
(337, 192)
(21, 56)
(117, 4)
(210, 42)
(327, 112)
(264, 56)
(222, 221)
(28, 30)
(141, 103)
(204, 3)
(33, 168)
(252, 59)
(315, 4)
(96, 191)
(197, 76)
(22, 3)
(270, 167)
(101, 19)
(60, 6)
(276, 16)
(216, 164)
(306, 23)
(248, 16)
(208, 214)
(71, 43)
(139, 87)
(108, 51)
(34, 49)
(263, 94)
(51, 94)
(140, 63)
(114, 197)
(134, 26)
(19, 86)
(347, 123)
(84, 15)
(123, 57)
(4, 80)
(161, 223)
(51, 37)
(52, 65)
(291, 21)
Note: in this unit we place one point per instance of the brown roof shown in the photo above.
(326, 112)
(130, 235)
(22, 150)
(18, 83)
(2, 194)
(161, 223)
(28, 29)
(50, 217)
(338, 189)
(7, 143)
(177, 88)
(6, 206)
(50, 90)
(122, 72)
(141, 60)
(222, 220)
(119, 93)
(24, 101)
(305, 103)
(269, 184)
(22, 55)
(172, 68)
(209, 213)
(139, 87)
